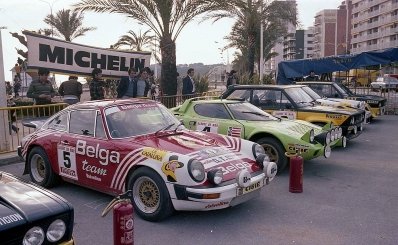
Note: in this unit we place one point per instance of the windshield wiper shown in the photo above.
(255, 113)
(165, 128)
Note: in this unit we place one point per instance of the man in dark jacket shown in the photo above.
(127, 87)
(71, 90)
(97, 85)
(188, 84)
(41, 89)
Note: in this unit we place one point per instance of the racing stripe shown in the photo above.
(127, 157)
(121, 182)
(119, 171)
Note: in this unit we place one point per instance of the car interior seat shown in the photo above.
(256, 100)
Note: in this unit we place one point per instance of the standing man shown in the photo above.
(41, 89)
(188, 84)
(127, 87)
(312, 77)
(143, 83)
(97, 85)
(71, 90)
(232, 78)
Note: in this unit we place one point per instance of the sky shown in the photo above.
(197, 43)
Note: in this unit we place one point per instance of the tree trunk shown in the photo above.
(250, 54)
(168, 78)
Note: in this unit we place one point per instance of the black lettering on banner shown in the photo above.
(69, 56)
(206, 129)
(67, 162)
(138, 64)
(113, 62)
(123, 66)
(79, 58)
(95, 61)
(45, 54)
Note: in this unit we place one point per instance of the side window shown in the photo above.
(82, 122)
(334, 93)
(326, 90)
(99, 127)
(212, 110)
(285, 102)
(59, 123)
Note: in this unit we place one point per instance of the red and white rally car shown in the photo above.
(114, 146)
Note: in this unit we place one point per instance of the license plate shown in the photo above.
(250, 188)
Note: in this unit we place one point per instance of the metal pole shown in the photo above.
(261, 47)
(4, 141)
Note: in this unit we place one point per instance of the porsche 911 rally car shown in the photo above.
(244, 120)
(114, 146)
(30, 214)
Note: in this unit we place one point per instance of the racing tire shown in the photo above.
(274, 149)
(40, 170)
(151, 199)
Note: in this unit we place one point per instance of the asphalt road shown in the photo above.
(350, 198)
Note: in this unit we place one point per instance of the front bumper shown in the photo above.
(230, 194)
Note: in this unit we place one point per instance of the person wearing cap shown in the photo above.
(71, 90)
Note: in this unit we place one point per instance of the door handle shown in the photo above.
(64, 142)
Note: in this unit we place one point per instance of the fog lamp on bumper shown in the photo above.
(327, 151)
(215, 176)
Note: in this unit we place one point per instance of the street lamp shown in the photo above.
(51, 12)
(4, 142)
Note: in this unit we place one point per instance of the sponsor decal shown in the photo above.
(189, 142)
(285, 114)
(298, 148)
(334, 116)
(104, 155)
(92, 169)
(218, 204)
(234, 166)
(170, 167)
(153, 153)
(207, 127)
(203, 154)
(10, 219)
(234, 131)
(136, 106)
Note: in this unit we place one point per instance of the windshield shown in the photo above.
(138, 119)
(311, 93)
(299, 96)
(343, 89)
(239, 94)
(247, 111)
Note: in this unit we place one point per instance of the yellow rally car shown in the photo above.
(292, 102)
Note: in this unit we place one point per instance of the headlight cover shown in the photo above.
(196, 170)
(312, 135)
(215, 176)
(34, 236)
(257, 150)
(56, 230)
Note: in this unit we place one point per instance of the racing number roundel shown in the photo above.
(67, 161)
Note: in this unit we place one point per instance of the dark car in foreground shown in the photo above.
(30, 214)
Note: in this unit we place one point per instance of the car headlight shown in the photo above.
(312, 135)
(327, 139)
(261, 159)
(196, 170)
(215, 176)
(257, 150)
(332, 135)
(34, 236)
(327, 151)
(340, 132)
(56, 230)
(352, 120)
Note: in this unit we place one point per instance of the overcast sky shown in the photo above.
(198, 42)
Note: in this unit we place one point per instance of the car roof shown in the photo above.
(266, 86)
(315, 82)
(98, 104)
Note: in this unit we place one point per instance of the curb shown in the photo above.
(9, 159)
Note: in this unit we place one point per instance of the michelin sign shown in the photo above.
(67, 57)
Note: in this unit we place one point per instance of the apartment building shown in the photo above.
(374, 25)
(304, 43)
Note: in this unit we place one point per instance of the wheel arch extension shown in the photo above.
(25, 171)
(260, 135)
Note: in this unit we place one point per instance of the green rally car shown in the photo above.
(277, 136)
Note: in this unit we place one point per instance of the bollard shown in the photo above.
(295, 173)
(123, 219)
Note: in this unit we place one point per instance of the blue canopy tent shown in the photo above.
(289, 70)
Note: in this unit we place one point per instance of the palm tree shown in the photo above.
(245, 34)
(137, 42)
(67, 24)
(166, 18)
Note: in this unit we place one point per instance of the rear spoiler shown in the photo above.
(34, 122)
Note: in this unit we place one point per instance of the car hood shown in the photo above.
(341, 102)
(21, 202)
(329, 109)
(295, 128)
(367, 97)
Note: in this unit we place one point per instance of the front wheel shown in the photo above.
(151, 198)
(275, 151)
(40, 170)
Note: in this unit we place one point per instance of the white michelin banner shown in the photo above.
(67, 57)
